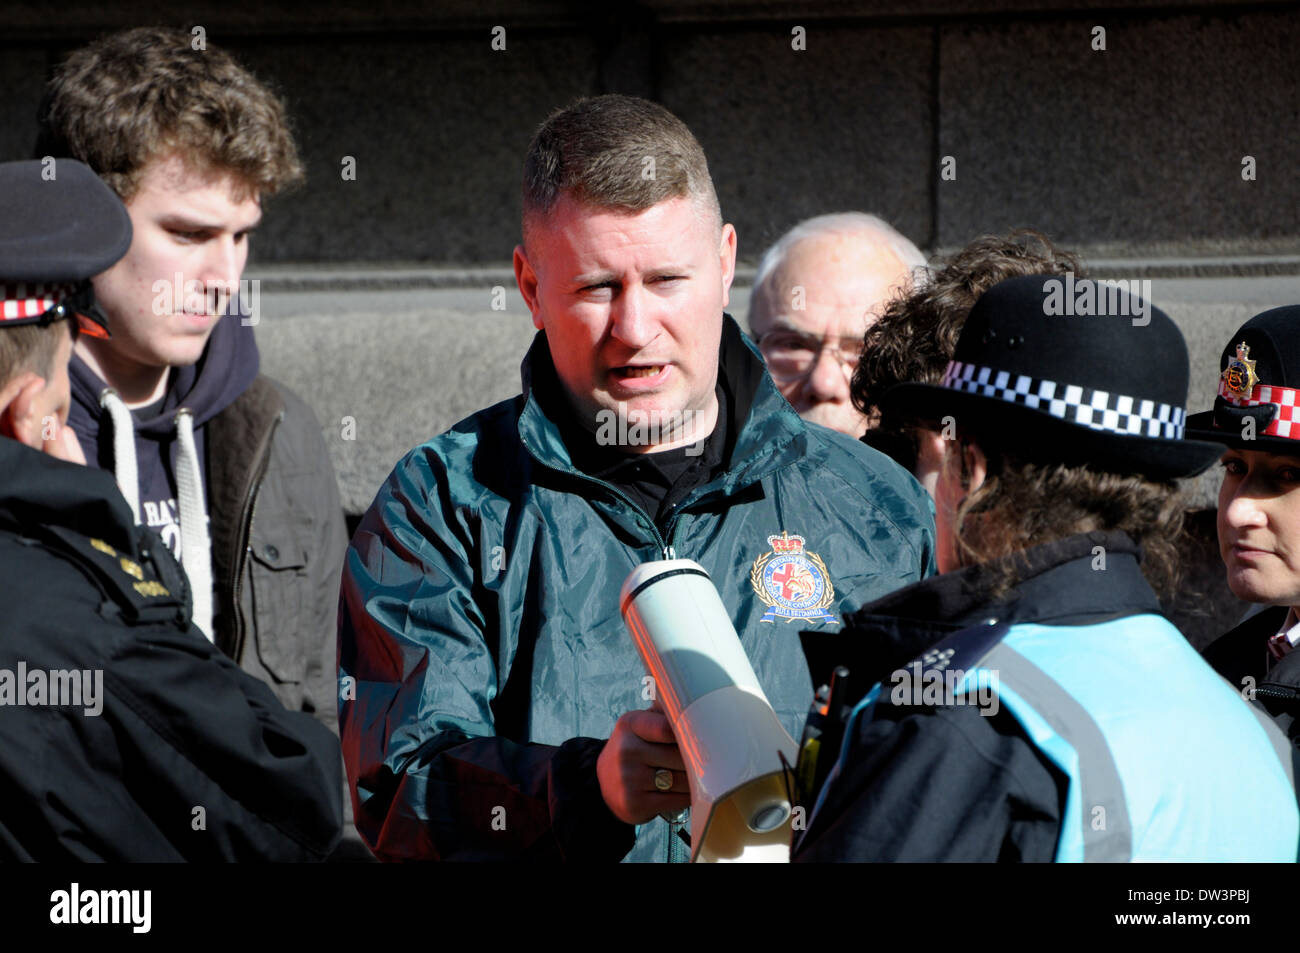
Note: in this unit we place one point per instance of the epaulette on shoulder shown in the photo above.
(963, 650)
(153, 589)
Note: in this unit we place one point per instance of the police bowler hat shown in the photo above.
(1062, 370)
(1259, 382)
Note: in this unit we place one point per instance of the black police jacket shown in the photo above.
(1241, 656)
(124, 733)
(936, 784)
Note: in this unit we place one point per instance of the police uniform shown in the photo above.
(124, 733)
(1066, 719)
(1258, 408)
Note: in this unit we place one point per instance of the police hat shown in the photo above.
(60, 225)
(1259, 381)
(1063, 370)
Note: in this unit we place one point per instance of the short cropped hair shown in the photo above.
(615, 152)
(30, 347)
(137, 95)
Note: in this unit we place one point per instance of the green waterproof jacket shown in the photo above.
(482, 656)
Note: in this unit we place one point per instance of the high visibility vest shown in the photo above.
(1165, 761)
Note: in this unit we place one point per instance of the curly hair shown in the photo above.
(917, 332)
(141, 94)
(1022, 504)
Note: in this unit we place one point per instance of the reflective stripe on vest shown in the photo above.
(1173, 767)
(1063, 729)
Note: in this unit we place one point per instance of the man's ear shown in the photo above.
(930, 446)
(975, 466)
(727, 259)
(19, 419)
(526, 278)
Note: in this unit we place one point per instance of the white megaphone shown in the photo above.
(734, 747)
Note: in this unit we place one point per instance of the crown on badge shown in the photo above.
(1239, 376)
(785, 543)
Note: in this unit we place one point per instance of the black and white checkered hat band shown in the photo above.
(1098, 409)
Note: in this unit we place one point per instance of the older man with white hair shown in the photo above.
(817, 290)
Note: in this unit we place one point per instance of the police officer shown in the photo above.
(124, 733)
(1259, 508)
(1030, 702)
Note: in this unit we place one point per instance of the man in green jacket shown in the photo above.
(493, 704)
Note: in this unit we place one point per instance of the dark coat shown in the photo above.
(1242, 657)
(936, 781)
(188, 757)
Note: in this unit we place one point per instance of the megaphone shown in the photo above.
(736, 752)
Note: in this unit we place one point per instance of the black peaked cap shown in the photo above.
(59, 222)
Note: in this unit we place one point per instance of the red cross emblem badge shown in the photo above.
(792, 581)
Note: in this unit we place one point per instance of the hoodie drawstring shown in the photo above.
(124, 469)
(196, 548)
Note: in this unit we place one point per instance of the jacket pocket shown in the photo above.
(279, 582)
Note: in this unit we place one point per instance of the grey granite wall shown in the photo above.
(1134, 149)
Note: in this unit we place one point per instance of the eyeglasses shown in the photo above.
(791, 355)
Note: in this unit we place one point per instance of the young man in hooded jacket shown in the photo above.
(228, 466)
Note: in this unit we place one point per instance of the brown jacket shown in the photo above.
(278, 541)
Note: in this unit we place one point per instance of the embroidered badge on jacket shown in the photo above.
(792, 582)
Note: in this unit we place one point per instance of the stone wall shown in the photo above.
(1134, 149)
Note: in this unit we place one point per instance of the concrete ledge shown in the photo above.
(308, 277)
(406, 363)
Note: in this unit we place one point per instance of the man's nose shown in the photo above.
(826, 379)
(222, 264)
(633, 317)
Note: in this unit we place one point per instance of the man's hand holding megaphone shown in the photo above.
(641, 745)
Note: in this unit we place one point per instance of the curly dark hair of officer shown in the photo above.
(917, 332)
(1020, 503)
(1024, 503)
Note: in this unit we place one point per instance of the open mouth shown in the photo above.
(639, 370)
